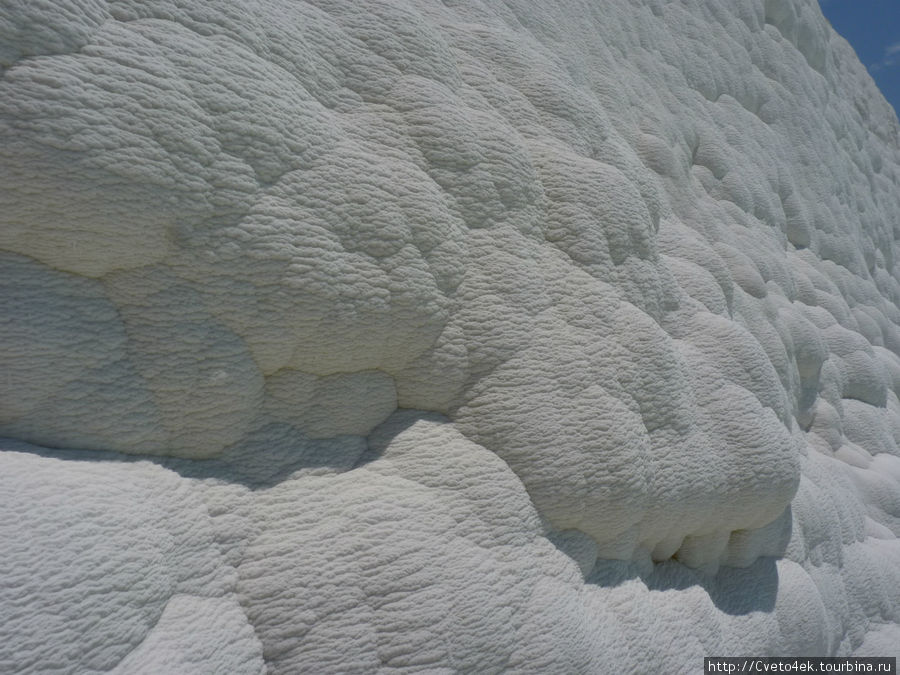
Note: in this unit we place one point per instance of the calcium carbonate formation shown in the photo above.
(467, 336)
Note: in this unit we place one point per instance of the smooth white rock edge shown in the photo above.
(452, 336)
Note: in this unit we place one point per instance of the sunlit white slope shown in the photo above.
(449, 336)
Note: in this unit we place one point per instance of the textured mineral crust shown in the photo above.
(345, 336)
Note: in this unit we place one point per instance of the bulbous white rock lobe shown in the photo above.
(462, 336)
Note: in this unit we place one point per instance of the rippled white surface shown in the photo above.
(461, 336)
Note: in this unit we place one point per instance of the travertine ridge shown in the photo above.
(461, 336)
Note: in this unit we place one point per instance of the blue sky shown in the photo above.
(873, 28)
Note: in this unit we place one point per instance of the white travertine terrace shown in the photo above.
(461, 336)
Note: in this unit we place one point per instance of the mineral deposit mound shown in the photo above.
(473, 336)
